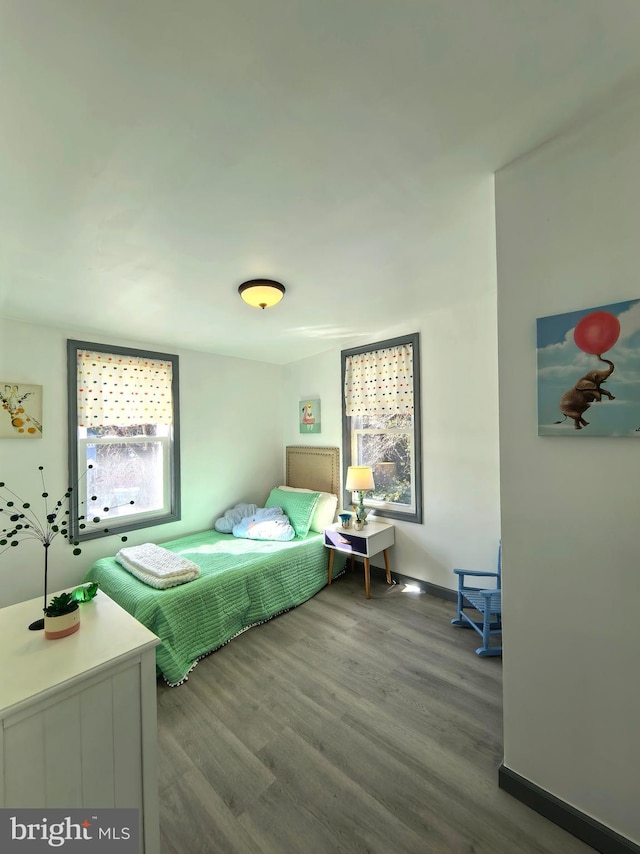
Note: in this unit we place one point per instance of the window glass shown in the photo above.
(123, 438)
(381, 424)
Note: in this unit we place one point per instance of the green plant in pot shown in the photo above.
(61, 616)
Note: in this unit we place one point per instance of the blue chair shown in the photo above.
(485, 602)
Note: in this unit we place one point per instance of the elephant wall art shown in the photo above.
(589, 372)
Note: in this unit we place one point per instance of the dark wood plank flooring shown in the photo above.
(345, 725)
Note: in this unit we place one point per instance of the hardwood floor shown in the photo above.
(345, 725)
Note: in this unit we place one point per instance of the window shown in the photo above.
(381, 423)
(123, 438)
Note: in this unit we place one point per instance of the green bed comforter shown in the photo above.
(242, 582)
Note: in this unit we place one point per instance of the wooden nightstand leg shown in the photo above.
(367, 579)
(330, 566)
(386, 565)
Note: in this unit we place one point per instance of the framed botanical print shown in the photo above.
(21, 416)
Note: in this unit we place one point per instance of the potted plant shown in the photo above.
(61, 616)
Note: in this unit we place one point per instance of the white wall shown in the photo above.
(568, 220)
(231, 448)
(459, 411)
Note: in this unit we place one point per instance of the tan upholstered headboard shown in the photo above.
(314, 468)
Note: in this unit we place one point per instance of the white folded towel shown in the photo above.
(156, 566)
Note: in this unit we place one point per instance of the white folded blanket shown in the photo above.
(156, 566)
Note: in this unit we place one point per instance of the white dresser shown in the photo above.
(79, 714)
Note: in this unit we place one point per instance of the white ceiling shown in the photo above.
(154, 154)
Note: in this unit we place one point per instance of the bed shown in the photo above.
(242, 582)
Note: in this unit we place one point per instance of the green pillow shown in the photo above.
(298, 506)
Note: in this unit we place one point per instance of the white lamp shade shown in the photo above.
(359, 479)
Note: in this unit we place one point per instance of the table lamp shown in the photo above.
(360, 480)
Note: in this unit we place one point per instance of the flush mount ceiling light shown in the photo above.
(261, 293)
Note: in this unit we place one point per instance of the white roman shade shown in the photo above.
(118, 390)
(380, 381)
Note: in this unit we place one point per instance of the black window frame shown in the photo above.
(415, 516)
(174, 515)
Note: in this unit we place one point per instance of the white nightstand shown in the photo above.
(374, 538)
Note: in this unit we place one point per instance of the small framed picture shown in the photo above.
(309, 416)
(21, 416)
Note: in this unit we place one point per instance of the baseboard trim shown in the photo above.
(425, 586)
(579, 824)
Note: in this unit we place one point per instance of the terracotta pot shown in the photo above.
(60, 627)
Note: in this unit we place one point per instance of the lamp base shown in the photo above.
(37, 626)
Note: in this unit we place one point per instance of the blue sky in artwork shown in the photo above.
(561, 364)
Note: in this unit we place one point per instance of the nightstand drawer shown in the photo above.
(345, 542)
(375, 537)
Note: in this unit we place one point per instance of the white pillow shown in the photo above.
(325, 512)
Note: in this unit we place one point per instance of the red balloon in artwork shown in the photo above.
(597, 332)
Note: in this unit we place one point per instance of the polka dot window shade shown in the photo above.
(123, 390)
(380, 381)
